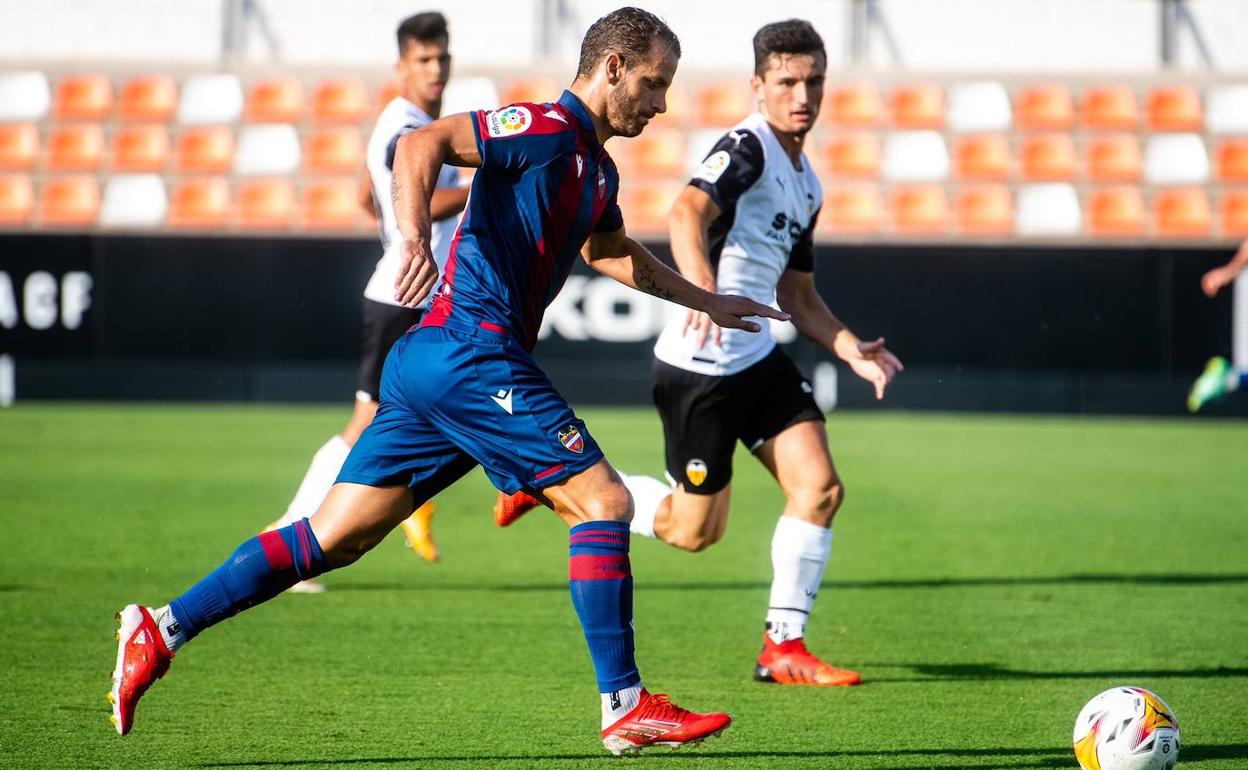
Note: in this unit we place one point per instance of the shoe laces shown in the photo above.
(660, 706)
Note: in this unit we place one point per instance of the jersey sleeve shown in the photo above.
(732, 166)
(802, 257)
(519, 136)
(612, 218)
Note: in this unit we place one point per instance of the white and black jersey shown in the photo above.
(398, 118)
(769, 209)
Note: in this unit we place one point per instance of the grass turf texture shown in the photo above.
(989, 575)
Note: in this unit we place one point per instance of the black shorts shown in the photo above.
(383, 324)
(704, 416)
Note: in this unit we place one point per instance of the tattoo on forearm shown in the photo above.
(394, 189)
(646, 282)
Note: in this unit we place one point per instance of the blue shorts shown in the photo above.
(452, 399)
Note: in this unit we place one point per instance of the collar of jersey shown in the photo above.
(577, 108)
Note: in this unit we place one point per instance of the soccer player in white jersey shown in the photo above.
(1219, 377)
(744, 226)
(423, 66)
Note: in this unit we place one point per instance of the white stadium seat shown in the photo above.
(915, 156)
(1176, 159)
(134, 200)
(267, 149)
(982, 106)
(210, 99)
(1048, 209)
(24, 96)
(1226, 109)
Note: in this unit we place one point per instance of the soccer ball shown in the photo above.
(1126, 728)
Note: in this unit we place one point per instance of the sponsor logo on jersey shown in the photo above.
(713, 167)
(503, 399)
(508, 121)
(695, 471)
(572, 440)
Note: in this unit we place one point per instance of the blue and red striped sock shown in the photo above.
(258, 570)
(601, 581)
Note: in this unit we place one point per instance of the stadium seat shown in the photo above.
(19, 145)
(679, 111)
(387, 92)
(645, 205)
(535, 90)
(340, 100)
(134, 200)
(1110, 108)
(1182, 212)
(1046, 107)
(75, 146)
(17, 199)
(722, 104)
(83, 97)
(69, 200)
(1174, 108)
(275, 100)
(210, 99)
(915, 156)
(1234, 213)
(1113, 211)
(200, 203)
(1227, 109)
(853, 105)
(981, 156)
(24, 96)
(917, 105)
(266, 203)
(1048, 157)
(1232, 163)
(851, 155)
(1176, 159)
(658, 152)
(334, 150)
(920, 209)
(1050, 209)
(141, 147)
(151, 98)
(984, 210)
(267, 148)
(980, 107)
(1114, 158)
(856, 209)
(206, 149)
(331, 203)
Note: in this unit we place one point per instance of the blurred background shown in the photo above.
(1020, 195)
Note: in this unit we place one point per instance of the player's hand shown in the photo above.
(874, 363)
(702, 326)
(730, 311)
(1213, 281)
(418, 273)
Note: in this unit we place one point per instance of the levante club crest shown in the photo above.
(572, 440)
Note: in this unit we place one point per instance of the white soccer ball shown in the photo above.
(1126, 728)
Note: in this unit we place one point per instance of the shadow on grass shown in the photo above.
(985, 672)
(939, 759)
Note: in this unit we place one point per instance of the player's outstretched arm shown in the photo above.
(617, 256)
(1213, 281)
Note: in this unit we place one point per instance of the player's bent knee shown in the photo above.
(611, 503)
(818, 504)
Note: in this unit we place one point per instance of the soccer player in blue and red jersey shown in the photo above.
(462, 389)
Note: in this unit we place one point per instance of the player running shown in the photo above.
(423, 66)
(1219, 377)
(743, 226)
(463, 388)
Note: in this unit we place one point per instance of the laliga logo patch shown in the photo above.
(572, 440)
(695, 471)
(512, 120)
(713, 167)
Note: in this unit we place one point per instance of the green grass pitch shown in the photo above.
(989, 575)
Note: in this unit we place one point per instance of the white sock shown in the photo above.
(615, 705)
(799, 555)
(648, 494)
(170, 629)
(316, 482)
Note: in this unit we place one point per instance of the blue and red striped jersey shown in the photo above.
(544, 186)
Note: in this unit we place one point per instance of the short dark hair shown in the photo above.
(781, 37)
(425, 27)
(629, 32)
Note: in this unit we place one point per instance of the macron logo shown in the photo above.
(580, 166)
(503, 399)
(556, 116)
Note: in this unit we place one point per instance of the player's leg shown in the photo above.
(1217, 380)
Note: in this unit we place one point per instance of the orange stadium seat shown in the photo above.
(334, 151)
(75, 146)
(1175, 108)
(920, 209)
(206, 149)
(1107, 108)
(1115, 210)
(69, 200)
(721, 104)
(645, 205)
(1114, 158)
(535, 90)
(981, 156)
(1235, 213)
(679, 108)
(340, 100)
(1048, 157)
(275, 100)
(332, 203)
(852, 209)
(17, 199)
(1182, 212)
(852, 155)
(918, 105)
(853, 104)
(148, 97)
(658, 152)
(1044, 107)
(19, 145)
(1232, 160)
(83, 97)
(267, 203)
(984, 210)
(200, 202)
(141, 148)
